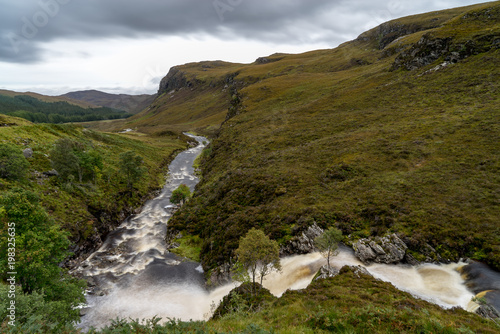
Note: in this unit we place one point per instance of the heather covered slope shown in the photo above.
(396, 131)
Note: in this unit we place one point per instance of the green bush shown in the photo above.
(13, 164)
(37, 246)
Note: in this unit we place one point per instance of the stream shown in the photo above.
(133, 275)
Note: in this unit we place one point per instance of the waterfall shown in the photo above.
(136, 277)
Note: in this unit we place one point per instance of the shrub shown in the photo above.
(13, 164)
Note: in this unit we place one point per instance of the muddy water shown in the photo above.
(136, 277)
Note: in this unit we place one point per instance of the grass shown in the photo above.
(89, 209)
(190, 247)
(352, 303)
(421, 151)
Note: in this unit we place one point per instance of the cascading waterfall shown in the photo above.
(136, 277)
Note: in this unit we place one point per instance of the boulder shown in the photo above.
(388, 249)
(28, 153)
(304, 243)
(50, 173)
(325, 272)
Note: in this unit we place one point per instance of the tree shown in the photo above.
(131, 166)
(36, 246)
(180, 195)
(64, 159)
(13, 164)
(328, 242)
(258, 254)
(72, 160)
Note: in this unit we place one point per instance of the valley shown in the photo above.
(392, 138)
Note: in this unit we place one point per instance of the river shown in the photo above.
(134, 275)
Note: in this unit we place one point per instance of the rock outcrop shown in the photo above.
(28, 153)
(327, 272)
(303, 243)
(388, 249)
(174, 80)
(424, 52)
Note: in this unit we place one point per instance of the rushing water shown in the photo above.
(136, 277)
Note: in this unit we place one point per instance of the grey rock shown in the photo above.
(51, 173)
(388, 249)
(325, 272)
(304, 243)
(487, 311)
(28, 153)
(360, 270)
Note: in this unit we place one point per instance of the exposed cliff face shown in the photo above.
(174, 80)
(386, 33)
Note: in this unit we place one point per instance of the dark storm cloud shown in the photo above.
(26, 25)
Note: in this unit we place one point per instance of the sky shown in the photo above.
(126, 46)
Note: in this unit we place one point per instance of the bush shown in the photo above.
(180, 195)
(38, 246)
(13, 164)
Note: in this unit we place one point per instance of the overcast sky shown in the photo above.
(127, 46)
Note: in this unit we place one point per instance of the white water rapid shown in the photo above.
(136, 277)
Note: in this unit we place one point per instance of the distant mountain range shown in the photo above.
(129, 103)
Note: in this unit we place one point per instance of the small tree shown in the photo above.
(13, 164)
(258, 254)
(328, 242)
(131, 166)
(64, 159)
(40, 246)
(180, 195)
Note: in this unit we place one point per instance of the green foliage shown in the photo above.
(380, 151)
(328, 242)
(171, 326)
(242, 300)
(72, 160)
(132, 167)
(35, 313)
(347, 303)
(180, 195)
(189, 247)
(258, 254)
(39, 247)
(13, 164)
(37, 111)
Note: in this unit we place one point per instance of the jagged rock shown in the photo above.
(424, 52)
(51, 173)
(303, 243)
(174, 80)
(262, 60)
(487, 311)
(388, 249)
(28, 153)
(325, 272)
(219, 276)
(359, 270)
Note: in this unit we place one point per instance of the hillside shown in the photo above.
(130, 103)
(54, 111)
(89, 207)
(47, 98)
(396, 131)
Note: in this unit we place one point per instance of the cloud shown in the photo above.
(25, 26)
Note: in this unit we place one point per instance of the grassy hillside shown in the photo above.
(39, 111)
(130, 103)
(396, 131)
(89, 208)
(47, 98)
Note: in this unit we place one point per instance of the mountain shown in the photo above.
(47, 98)
(397, 131)
(53, 110)
(130, 103)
